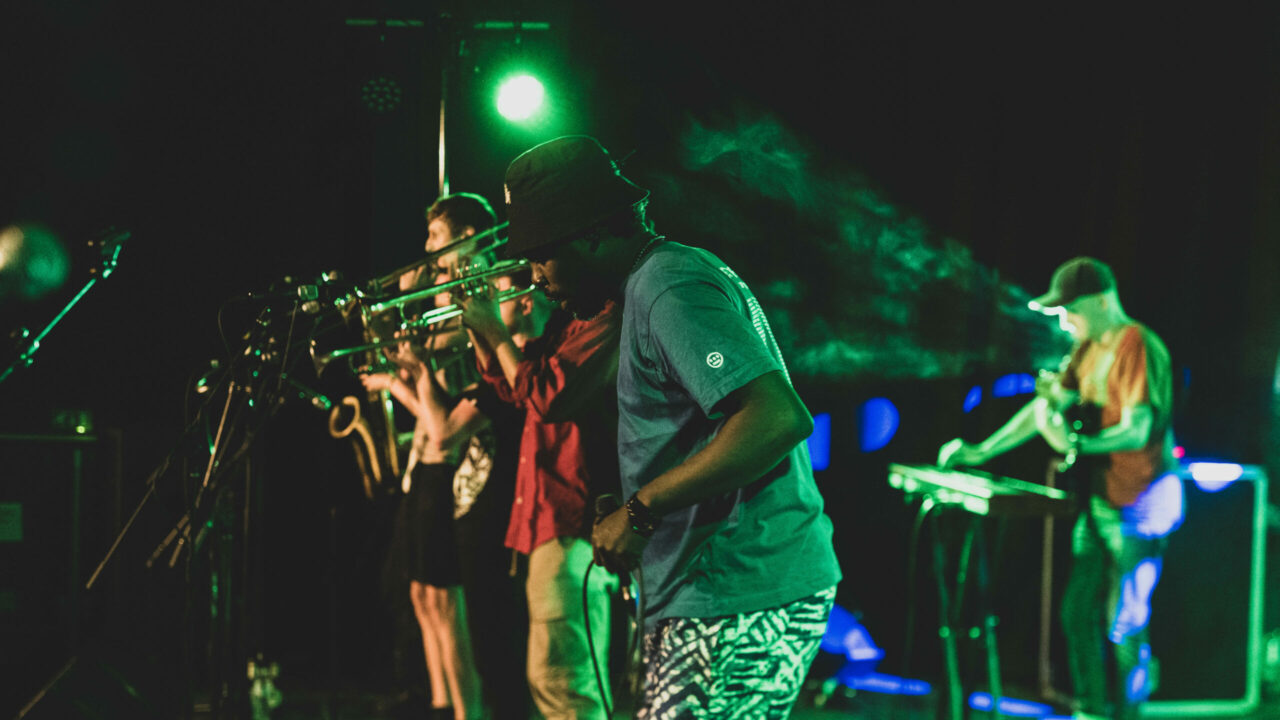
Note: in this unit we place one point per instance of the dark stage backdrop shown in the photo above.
(893, 182)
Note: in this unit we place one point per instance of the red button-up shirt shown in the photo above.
(567, 384)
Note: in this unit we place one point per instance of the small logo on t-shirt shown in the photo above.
(715, 359)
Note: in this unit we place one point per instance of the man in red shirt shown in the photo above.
(565, 381)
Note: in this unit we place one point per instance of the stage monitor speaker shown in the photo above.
(1207, 610)
(56, 505)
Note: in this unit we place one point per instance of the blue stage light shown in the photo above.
(846, 636)
(1010, 706)
(879, 422)
(1014, 384)
(820, 442)
(973, 398)
(885, 684)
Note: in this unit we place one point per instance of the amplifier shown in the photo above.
(1207, 611)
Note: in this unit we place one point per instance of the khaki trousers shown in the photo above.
(561, 677)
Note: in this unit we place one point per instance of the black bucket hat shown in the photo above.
(560, 188)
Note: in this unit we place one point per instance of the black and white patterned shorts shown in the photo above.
(737, 666)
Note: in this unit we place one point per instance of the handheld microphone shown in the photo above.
(606, 504)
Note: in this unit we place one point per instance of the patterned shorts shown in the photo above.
(738, 666)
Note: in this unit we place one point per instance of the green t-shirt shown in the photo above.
(692, 332)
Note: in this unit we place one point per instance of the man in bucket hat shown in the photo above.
(1110, 406)
(722, 517)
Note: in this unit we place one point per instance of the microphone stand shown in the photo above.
(111, 243)
(251, 387)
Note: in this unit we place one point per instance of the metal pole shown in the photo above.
(450, 56)
(945, 629)
(988, 619)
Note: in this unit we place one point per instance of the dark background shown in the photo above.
(893, 180)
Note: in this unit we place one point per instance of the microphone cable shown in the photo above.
(633, 639)
(604, 505)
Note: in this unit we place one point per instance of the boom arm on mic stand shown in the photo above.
(109, 244)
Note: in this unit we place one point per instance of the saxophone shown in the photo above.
(374, 442)
(368, 422)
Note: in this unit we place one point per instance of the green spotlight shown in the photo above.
(520, 97)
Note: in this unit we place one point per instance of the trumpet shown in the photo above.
(448, 312)
(411, 328)
(506, 267)
(409, 332)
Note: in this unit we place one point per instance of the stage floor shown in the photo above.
(356, 705)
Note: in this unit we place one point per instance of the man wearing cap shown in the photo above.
(1119, 374)
(723, 521)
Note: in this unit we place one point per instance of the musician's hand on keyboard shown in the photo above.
(958, 452)
(1052, 427)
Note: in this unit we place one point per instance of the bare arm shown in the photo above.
(1131, 433)
(399, 389)
(765, 421)
(481, 316)
(1019, 429)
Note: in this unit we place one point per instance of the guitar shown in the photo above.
(1078, 418)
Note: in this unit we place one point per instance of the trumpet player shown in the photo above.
(562, 376)
(450, 461)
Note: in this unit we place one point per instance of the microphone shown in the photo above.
(301, 292)
(108, 243)
(606, 504)
(307, 295)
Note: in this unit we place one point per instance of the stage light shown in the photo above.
(820, 442)
(1010, 706)
(520, 98)
(33, 261)
(846, 636)
(884, 684)
(974, 397)
(1214, 476)
(878, 422)
(381, 94)
(1013, 384)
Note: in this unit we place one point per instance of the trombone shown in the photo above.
(483, 242)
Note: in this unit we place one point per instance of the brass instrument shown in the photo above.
(423, 324)
(372, 434)
(472, 244)
(506, 267)
(376, 452)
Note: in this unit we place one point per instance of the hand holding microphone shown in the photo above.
(617, 545)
